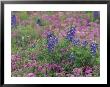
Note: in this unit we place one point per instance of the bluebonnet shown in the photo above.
(84, 43)
(51, 42)
(13, 21)
(71, 33)
(96, 14)
(93, 48)
(76, 42)
(71, 36)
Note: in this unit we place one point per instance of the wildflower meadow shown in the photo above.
(55, 44)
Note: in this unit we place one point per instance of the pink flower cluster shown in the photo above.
(30, 75)
(14, 59)
(87, 71)
(30, 64)
(77, 71)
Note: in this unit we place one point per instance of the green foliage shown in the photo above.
(63, 18)
(40, 74)
(50, 13)
(43, 22)
(51, 73)
(68, 67)
(25, 35)
(90, 14)
(21, 42)
(23, 15)
(96, 71)
(84, 57)
(22, 72)
(55, 56)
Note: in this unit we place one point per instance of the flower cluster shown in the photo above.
(84, 43)
(30, 75)
(55, 67)
(30, 64)
(77, 71)
(96, 14)
(13, 20)
(75, 42)
(51, 41)
(93, 48)
(46, 68)
(71, 34)
(87, 71)
(14, 60)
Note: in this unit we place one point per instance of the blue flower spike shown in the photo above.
(76, 42)
(13, 20)
(71, 33)
(96, 14)
(51, 41)
(93, 48)
(84, 43)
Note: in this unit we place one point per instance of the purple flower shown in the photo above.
(13, 21)
(51, 41)
(13, 66)
(96, 14)
(14, 59)
(40, 68)
(30, 64)
(27, 65)
(87, 71)
(77, 71)
(84, 43)
(31, 75)
(93, 48)
(55, 68)
(57, 23)
(76, 42)
(71, 34)
(49, 18)
(70, 19)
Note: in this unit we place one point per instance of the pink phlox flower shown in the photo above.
(30, 75)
